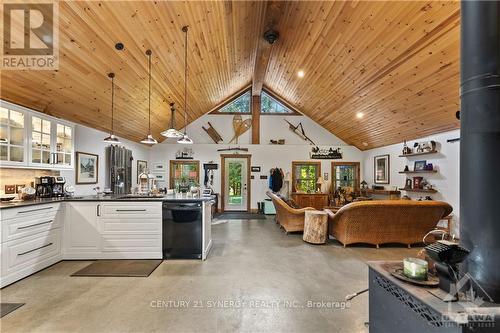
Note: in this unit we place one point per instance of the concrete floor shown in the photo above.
(257, 279)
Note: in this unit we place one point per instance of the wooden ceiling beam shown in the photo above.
(274, 12)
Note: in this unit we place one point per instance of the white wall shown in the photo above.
(271, 127)
(264, 155)
(89, 140)
(447, 161)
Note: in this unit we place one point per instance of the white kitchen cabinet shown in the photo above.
(82, 237)
(207, 229)
(31, 139)
(131, 230)
(30, 240)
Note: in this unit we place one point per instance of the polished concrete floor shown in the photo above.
(257, 279)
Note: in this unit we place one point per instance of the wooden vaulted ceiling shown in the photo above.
(397, 63)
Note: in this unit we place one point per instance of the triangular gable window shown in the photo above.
(240, 104)
(269, 105)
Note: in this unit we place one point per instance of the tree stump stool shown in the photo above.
(315, 227)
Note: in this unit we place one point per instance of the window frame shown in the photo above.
(280, 100)
(357, 183)
(232, 99)
(173, 163)
(294, 179)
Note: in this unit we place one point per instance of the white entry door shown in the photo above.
(235, 183)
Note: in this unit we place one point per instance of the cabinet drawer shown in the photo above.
(30, 211)
(130, 210)
(30, 251)
(131, 225)
(26, 226)
(131, 243)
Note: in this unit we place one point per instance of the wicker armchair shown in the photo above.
(291, 219)
(386, 221)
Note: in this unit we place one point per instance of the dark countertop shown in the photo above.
(111, 197)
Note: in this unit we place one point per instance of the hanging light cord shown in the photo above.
(112, 103)
(149, 90)
(185, 29)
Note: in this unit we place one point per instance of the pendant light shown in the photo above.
(185, 138)
(112, 138)
(172, 132)
(149, 140)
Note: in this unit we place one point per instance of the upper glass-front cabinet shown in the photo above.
(29, 139)
(12, 137)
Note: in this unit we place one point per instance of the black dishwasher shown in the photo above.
(182, 230)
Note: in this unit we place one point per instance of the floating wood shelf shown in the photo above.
(421, 171)
(418, 190)
(418, 154)
(382, 192)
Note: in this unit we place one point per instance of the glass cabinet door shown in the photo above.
(41, 140)
(12, 136)
(64, 145)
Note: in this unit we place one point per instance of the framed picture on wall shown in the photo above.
(381, 169)
(159, 167)
(87, 168)
(160, 177)
(141, 167)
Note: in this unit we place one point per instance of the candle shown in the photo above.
(415, 268)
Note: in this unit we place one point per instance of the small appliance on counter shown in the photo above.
(58, 186)
(44, 186)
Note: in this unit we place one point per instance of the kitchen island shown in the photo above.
(36, 234)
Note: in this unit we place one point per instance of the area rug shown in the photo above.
(120, 268)
(6, 308)
(240, 216)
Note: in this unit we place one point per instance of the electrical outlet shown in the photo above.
(10, 189)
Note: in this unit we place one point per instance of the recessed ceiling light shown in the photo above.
(301, 73)
(359, 115)
(365, 144)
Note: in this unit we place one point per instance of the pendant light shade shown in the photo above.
(185, 138)
(149, 139)
(172, 132)
(112, 138)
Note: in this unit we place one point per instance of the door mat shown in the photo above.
(6, 308)
(240, 216)
(120, 268)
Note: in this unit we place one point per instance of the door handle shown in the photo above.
(130, 210)
(38, 248)
(34, 225)
(98, 208)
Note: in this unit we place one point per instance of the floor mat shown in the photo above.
(119, 268)
(6, 308)
(240, 216)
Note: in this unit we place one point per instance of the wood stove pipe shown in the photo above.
(480, 142)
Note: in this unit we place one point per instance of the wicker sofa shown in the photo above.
(386, 221)
(291, 219)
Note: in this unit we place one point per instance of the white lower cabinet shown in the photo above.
(113, 230)
(81, 230)
(30, 241)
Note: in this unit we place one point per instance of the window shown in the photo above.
(240, 104)
(346, 175)
(305, 176)
(184, 174)
(270, 104)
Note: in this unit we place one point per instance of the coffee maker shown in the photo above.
(44, 186)
(58, 186)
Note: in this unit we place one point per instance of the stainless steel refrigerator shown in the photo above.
(119, 169)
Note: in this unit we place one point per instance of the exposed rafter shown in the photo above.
(274, 12)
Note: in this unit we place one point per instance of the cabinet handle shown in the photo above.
(34, 225)
(38, 248)
(98, 210)
(34, 210)
(130, 210)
